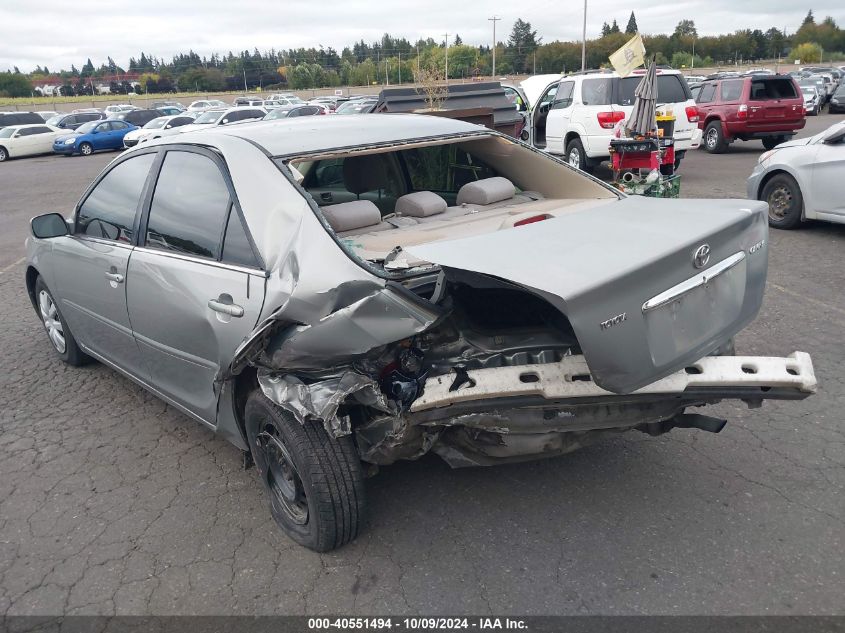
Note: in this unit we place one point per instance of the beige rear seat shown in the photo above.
(352, 218)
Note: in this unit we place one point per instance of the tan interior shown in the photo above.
(541, 187)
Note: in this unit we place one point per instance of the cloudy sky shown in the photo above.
(58, 33)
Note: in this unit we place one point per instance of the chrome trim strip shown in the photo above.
(200, 260)
(688, 285)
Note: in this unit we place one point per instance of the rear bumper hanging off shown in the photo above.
(744, 377)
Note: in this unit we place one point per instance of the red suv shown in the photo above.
(769, 107)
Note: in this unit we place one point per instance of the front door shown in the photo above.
(91, 265)
(190, 301)
(828, 167)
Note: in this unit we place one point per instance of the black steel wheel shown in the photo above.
(786, 203)
(313, 481)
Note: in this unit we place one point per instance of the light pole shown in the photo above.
(494, 19)
(584, 40)
(446, 35)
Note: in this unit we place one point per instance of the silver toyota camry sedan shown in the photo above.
(328, 292)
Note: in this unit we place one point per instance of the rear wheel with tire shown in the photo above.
(785, 201)
(576, 156)
(57, 330)
(714, 138)
(86, 149)
(770, 142)
(314, 482)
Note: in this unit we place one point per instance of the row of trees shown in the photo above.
(397, 59)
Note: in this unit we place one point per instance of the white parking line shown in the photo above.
(807, 299)
(10, 266)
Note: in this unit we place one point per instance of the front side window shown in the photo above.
(189, 206)
(109, 211)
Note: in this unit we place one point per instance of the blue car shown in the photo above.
(92, 137)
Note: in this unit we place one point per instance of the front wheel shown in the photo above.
(785, 201)
(57, 330)
(314, 482)
(4, 154)
(86, 149)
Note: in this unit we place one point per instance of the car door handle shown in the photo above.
(226, 308)
(115, 277)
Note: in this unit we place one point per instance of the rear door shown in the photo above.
(828, 170)
(731, 97)
(91, 265)
(773, 102)
(196, 287)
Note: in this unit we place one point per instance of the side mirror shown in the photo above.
(48, 225)
(224, 121)
(167, 127)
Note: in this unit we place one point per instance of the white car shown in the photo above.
(207, 104)
(802, 179)
(119, 108)
(28, 140)
(224, 116)
(157, 128)
(46, 114)
(285, 100)
(813, 99)
(574, 117)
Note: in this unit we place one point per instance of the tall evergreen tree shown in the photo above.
(523, 41)
(614, 28)
(632, 25)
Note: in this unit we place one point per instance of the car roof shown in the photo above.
(322, 133)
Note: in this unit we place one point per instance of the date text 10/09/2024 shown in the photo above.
(413, 624)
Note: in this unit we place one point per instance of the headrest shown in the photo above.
(486, 191)
(420, 204)
(364, 173)
(348, 216)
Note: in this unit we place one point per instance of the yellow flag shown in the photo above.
(629, 57)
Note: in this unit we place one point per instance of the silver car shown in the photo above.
(331, 291)
(802, 179)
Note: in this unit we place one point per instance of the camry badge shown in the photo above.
(701, 256)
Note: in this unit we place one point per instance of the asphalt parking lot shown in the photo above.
(113, 502)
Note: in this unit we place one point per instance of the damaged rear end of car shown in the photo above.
(526, 324)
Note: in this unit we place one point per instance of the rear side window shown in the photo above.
(236, 247)
(596, 91)
(774, 88)
(670, 89)
(189, 206)
(563, 96)
(732, 90)
(109, 211)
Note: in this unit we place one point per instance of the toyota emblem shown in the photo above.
(701, 256)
